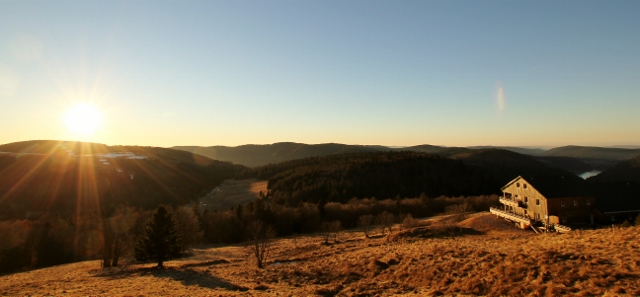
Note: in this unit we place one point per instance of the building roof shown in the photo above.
(555, 187)
(616, 196)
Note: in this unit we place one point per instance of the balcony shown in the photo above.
(512, 202)
(510, 216)
(561, 228)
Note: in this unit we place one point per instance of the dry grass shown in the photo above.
(494, 259)
(234, 192)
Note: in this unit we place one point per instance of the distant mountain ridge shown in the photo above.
(590, 152)
(571, 158)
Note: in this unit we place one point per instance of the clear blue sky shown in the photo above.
(398, 73)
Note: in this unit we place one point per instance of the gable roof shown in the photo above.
(555, 187)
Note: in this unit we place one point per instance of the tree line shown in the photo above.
(54, 239)
(339, 178)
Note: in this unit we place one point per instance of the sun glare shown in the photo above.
(83, 119)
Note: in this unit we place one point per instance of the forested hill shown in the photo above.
(576, 159)
(257, 155)
(588, 152)
(407, 174)
(626, 171)
(49, 177)
(53, 146)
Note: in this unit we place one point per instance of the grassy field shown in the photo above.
(232, 193)
(480, 255)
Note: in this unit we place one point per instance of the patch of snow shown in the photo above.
(137, 157)
(123, 155)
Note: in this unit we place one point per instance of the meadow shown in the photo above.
(468, 255)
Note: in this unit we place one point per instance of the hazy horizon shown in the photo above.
(541, 147)
(450, 73)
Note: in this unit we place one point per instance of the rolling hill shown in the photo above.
(625, 171)
(600, 158)
(574, 159)
(589, 152)
(48, 176)
(253, 155)
(407, 174)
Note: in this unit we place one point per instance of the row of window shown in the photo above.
(535, 214)
(562, 204)
(575, 202)
(526, 200)
(524, 186)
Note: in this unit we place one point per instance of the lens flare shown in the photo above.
(500, 98)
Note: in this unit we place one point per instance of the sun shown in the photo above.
(83, 119)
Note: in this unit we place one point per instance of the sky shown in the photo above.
(395, 73)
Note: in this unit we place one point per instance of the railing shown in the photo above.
(561, 228)
(510, 216)
(512, 202)
(509, 202)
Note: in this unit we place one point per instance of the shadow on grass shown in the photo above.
(189, 277)
(184, 274)
(434, 232)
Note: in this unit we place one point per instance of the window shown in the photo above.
(588, 201)
(562, 203)
(526, 199)
(537, 201)
(517, 185)
(564, 219)
(524, 186)
(537, 216)
(575, 202)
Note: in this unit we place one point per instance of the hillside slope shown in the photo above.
(407, 174)
(599, 158)
(628, 170)
(589, 152)
(51, 177)
(518, 263)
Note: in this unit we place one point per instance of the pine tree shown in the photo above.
(160, 239)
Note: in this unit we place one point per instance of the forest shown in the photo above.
(59, 208)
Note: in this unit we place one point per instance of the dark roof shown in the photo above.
(616, 196)
(557, 187)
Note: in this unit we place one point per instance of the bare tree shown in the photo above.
(409, 222)
(386, 221)
(117, 235)
(260, 236)
(330, 230)
(365, 223)
(188, 227)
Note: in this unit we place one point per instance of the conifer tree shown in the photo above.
(159, 241)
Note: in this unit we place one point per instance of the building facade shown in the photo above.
(545, 204)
